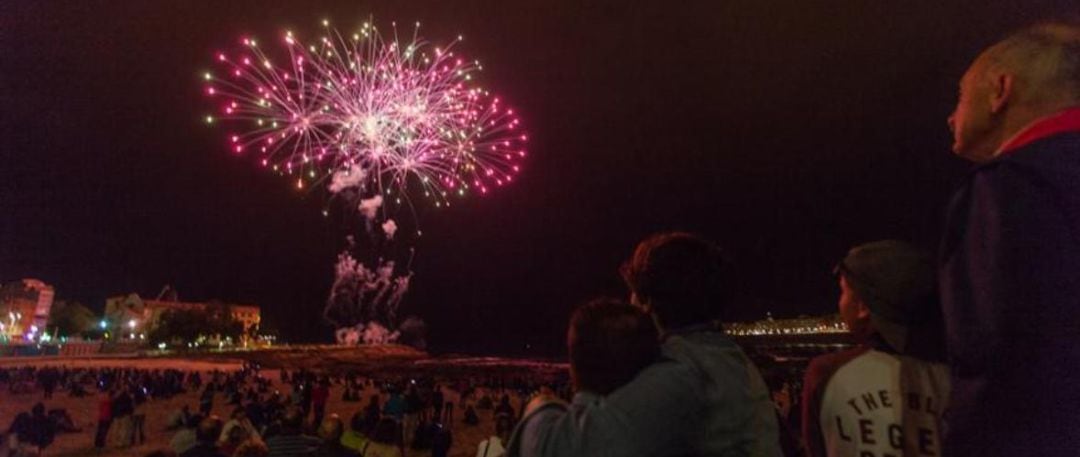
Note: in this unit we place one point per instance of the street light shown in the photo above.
(131, 323)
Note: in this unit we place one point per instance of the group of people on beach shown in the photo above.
(974, 353)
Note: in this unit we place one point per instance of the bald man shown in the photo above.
(1010, 258)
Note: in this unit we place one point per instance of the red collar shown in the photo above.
(1061, 122)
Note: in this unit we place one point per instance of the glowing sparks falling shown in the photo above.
(369, 112)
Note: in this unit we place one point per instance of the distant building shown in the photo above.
(798, 326)
(133, 315)
(24, 309)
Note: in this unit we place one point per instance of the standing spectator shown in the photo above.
(104, 418)
(412, 413)
(48, 377)
(138, 419)
(437, 402)
(206, 400)
(319, 395)
(441, 441)
(885, 396)
(122, 409)
(704, 397)
(395, 406)
(1010, 257)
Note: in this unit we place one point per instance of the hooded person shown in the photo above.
(886, 395)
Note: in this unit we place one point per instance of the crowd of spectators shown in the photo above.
(285, 416)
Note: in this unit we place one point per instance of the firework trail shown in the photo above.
(382, 121)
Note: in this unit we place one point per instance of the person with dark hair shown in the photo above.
(238, 419)
(185, 438)
(205, 439)
(252, 448)
(292, 441)
(886, 395)
(330, 432)
(1010, 257)
(358, 433)
(319, 395)
(372, 413)
(442, 439)
(609, 342)
(206, 400)
(123, 407)
(386, 441)
(104, 417)
(471, 418)
(703, 397)
(493, 446)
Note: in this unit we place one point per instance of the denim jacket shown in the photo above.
(705, 397)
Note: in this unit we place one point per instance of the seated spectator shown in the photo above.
(239, 420)
(330, 432)
(252, 448)
(234, 437)
(64, 422)
(178, 418)
(386, 441)
(291, 440)
(885, 396)
(206, 439)
(185, 438)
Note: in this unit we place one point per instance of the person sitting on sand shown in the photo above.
(184, 438)
(205, 439)
(292, 440)
(330, 432)
(386, 441)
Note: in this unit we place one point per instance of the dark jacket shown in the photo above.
(1010, 279)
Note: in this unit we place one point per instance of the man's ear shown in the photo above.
(1002, 91)
(864, 311)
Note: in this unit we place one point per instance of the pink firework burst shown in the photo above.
(376, 113)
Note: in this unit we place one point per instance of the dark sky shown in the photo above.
(786, 130)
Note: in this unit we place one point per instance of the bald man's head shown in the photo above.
(1032, 73)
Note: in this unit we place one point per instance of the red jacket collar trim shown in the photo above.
(1062, 122)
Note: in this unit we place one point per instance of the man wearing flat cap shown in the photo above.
(885, 396)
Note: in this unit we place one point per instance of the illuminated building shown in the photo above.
(24, 309)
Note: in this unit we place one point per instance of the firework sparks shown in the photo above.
(376, 113)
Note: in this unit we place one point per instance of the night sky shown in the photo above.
(788, 131)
